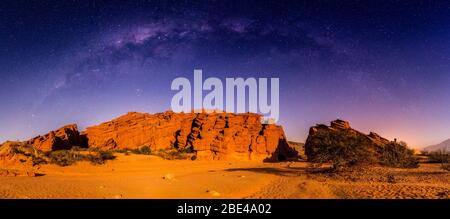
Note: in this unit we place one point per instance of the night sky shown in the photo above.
(382, 65)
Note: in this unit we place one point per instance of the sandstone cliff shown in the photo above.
(62, 138)
(209, 135)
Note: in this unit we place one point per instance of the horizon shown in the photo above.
(381, 66)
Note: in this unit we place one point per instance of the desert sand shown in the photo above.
(147, 176)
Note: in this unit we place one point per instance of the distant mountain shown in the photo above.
(445, 145)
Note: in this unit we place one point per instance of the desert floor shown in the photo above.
(141, 176)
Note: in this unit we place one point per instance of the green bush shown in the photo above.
(398, 155)
(341, 150)
(37, 156)
(78, 148)
(185, 150)
(100, 157)
(69, 157)
(346, 148)
(65, 157)
(146, 150)
(121, 150)
(173, 154)
(168, 154)
(441, 156)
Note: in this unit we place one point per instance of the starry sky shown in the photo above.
(382, 65)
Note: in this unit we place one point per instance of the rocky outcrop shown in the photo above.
(62, 138)
(323, 141)
(209, 135)
(19, 154)
(135, 130)
(340, 124)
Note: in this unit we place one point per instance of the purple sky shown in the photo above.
(382, 66)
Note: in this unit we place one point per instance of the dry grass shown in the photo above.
(69, 157)
(167, 154)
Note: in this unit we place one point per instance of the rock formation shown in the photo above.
(209, 135)
(62, 138)
(324, 140)
(21, 157)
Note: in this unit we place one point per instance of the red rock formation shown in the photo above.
(62, 138)
(17, 158)
(210, 135)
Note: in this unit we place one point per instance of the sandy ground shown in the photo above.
(141, 176)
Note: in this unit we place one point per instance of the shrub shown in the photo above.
(168, 154)
(100, 157)
(340, 150)
(398, 155)
(78, 148)
(442, 157)
(107, 155)
(65, 157)
(93, 149)
(37, 156)
(37, 160)
(172, 154)
(185, 150)
(347, 148)
(146, 150)
(69, 157)
(121, 150)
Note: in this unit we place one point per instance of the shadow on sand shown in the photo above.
(282, 171)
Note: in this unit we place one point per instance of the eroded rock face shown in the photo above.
(62, 138)
(210, 135)
(134, 130)
(20, 155)
(322, 138)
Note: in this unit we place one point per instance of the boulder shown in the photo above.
(340, 124)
